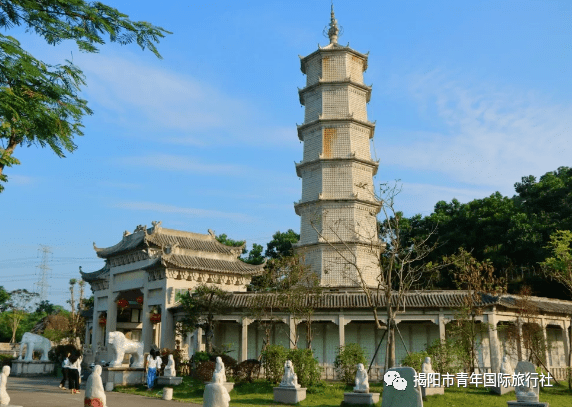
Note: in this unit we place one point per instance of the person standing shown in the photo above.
(65, 370)
(74, 370)
(153, 365)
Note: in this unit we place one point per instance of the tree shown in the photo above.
(559, 266)
(477, 278)
(401, 264)
(45, 307)
(281, 244)
(21, 303)
(40, 103)
(4, 298)
(200, 309)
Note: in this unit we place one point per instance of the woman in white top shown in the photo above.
(153, 365)
(74, 372)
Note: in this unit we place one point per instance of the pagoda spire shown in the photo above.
(334, 30)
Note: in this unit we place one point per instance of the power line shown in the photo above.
(42, 284)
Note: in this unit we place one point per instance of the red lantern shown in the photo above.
(155, 318)
(102, 321)
(139, 300)
(122, 303)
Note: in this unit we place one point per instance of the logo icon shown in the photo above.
(392, 378)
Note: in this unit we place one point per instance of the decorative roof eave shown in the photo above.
(379, 245)
(370, 163)
(211, 265)
(374, 204)
(320, 120)
(95, 275)
(446, 299)
(347, 81)
(332, 49)
(129, 242)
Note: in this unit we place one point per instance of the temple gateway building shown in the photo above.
(135, 292)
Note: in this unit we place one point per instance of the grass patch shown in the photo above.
(331, 394)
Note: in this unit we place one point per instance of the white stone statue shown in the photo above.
(426, 366)
(289, 379)
(219, 370)
(215, 394)
(94, 392)
(506, 367)
(170, 368)
(120, 345)
(527, 393)
(33, 343)
(4, 398)
(362, 381)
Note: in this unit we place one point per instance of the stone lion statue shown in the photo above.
(120, 345)
(33, 343)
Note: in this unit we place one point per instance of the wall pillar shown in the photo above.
(96, 333)
(494, 343)
(244, 339)
(292, 331)
(167, 329)
(442, 327)
(342, 329)
(199, 334)
(545, 338)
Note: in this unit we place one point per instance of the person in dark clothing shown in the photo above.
(74, 372)
(65, 370)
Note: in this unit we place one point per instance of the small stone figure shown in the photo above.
(170, 368)
(506, 367)
(94, 393)
(362, 382)
(219, 371)
(426, 366)
(290, 379)
(4, 398)
(215, 394)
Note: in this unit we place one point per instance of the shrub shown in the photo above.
(415, 360)
(444, 356)
(306, 366)
(205, 370)
(201, 357)
(6, 360)
(346, 361)
(245, 371)
(273, 359)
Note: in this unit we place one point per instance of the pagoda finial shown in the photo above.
(334, 30)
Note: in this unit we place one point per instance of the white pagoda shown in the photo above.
(338, 209)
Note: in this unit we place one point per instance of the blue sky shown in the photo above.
(468, 96)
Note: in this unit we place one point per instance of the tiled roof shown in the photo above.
(421, 299)
(162, 237)
(204, 264)
(94, 275)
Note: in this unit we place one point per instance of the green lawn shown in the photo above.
(331, 394)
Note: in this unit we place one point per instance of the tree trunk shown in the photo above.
(390, 356)
(8, 152)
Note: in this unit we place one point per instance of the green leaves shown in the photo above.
(40, 103)
(559, 266)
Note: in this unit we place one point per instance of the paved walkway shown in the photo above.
(44, 392)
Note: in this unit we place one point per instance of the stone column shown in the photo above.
(96, 335)
(292, 331)
(111, 325)
(199, 339)
(567, 345)
(494, 343)
(545, 338)
(442, 327)
(167, 329)
(342, 329)
(244, 339)
(147, 329)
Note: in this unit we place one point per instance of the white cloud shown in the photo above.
(178, 210)
(169, 162)
(492, 135)
(182, 109)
